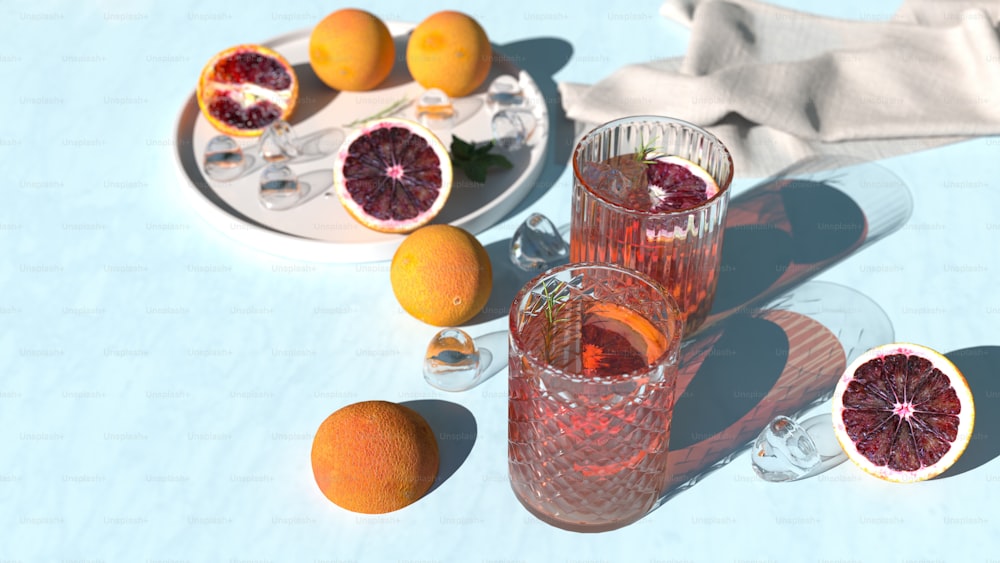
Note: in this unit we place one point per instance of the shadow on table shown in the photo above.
(454, 429)
(738, 375)
(981, 367)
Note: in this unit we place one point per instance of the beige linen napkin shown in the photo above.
(777, 85)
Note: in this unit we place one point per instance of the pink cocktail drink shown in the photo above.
(593, 364)
(650, 194)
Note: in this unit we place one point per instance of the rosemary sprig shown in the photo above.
(392, 109)
(646, 148)
(555, 300)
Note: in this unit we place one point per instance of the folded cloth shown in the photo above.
(777, 85)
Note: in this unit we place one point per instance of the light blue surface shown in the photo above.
(160, 384)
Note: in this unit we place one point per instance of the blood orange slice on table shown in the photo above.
(393, 175)
(245, 88)
(903, 412)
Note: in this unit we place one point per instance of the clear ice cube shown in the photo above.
(511, 128)
(452, 362)
(786, 450)
(606, 180)
(280, 187)
(435, 110)
(223, 160)
(504, 92)
(537, 244)
(278, 143)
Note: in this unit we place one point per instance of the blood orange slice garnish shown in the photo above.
(903, 412)
(676, 184)
(245, 88)
(393, 175)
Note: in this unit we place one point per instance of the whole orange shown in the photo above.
(351, 50)
(442, 275)
(374, 457)
(449, 50)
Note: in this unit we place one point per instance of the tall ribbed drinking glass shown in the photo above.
(613, 220)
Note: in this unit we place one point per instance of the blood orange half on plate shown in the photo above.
(903, 412)
(245, 88)
(393, 175)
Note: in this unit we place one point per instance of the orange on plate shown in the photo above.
(441, 275)
(351, 50)
(245, 88)
(903, 412)
(374, 457)
(449, 50)
(392, 175)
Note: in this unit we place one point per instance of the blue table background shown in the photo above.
(160, 383)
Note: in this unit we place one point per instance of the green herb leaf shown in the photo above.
(460, 149)
(475, 159)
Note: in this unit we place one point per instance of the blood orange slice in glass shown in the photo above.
(392, 175)
(677, 184)
(245, 88)
(903, 412)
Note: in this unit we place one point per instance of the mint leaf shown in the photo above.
(476, 171)
(498, 161)
(475, 159)
(460, 149)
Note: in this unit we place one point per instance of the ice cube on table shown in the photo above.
(280, 188)
(512, 128)
(504, 92)
(537, 244)
(223, 159)
(453, 361)
(435, 110)
(279, 143)
(787, 450)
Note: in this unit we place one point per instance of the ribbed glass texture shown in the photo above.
(679, 249)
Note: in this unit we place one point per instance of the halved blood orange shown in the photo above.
(903, 412)
(245, 88)
(392, 175)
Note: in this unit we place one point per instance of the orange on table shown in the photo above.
(449, 50)
(374, 457)
(903, 412)
(351, 50)
(441, 275)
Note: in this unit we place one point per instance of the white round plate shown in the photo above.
(320, 229)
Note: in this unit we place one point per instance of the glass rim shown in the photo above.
(723, 184)
(673, 339)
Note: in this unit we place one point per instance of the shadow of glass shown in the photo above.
(979, 366)
(754, 348)
(778, 235)
(736, 377)
(454, 429)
